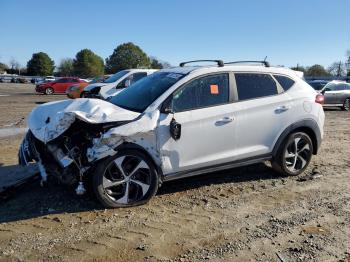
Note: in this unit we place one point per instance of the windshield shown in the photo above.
(141, 94)
(329, 86)
(116, 76)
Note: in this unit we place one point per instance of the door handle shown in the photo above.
(225, 119)
(281, 109)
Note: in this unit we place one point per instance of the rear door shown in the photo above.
(264, 112)
(342, 92)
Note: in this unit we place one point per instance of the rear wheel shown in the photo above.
(294, 155)
(127, 179)
(49, 91)
(346, 105)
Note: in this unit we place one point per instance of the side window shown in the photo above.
(62, 80)
(330, 87)
(73, 80)
(131, 79)
(122, 83)
(342, 87)
(284, 81)
(137, 76)
(250, 86)
(202, 92)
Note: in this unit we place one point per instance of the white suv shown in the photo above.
(115, 83)
(176, 123)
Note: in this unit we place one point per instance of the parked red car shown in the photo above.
(57, 87)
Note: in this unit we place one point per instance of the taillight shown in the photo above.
(319, 99)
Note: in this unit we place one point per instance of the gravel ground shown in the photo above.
(243, 214)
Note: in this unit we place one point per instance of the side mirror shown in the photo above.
(175, 129)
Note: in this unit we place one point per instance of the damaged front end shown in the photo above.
(67, 144)
(61, 134)
(64, 157)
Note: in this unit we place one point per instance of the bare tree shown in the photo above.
(337, 69)
(15, 65)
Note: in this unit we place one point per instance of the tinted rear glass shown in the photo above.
(250, 86)
(284, 81)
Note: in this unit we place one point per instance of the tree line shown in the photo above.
(128, 55)
(86, 63)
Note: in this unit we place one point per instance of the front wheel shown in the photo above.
(294, 155)
(126, 179)
(346, 105)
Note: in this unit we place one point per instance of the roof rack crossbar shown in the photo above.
(219, 62)
(265, 63)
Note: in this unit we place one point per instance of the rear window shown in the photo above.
(284, 81)
(250, 86)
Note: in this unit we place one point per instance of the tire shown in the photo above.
(126, 179)
(294, 154)
(49, 91)
(346, 105)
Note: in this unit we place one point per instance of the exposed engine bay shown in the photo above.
(65, 157)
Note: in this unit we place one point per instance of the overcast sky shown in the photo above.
(287, 32)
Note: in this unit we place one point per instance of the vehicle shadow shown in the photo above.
(32, 200)
(235, 175)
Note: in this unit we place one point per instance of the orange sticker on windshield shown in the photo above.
(214, 89)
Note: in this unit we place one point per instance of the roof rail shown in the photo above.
(265, 63)
(219, 62)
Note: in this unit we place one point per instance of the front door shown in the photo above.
(207, 117)
(330, 94)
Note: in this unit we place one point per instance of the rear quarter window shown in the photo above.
(284, 81)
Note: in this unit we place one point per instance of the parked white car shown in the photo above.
(177, 123)
(115, 83)
(49, 79)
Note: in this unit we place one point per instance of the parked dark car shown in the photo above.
(337, 94)
(318, 84)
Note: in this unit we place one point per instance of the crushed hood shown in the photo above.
(50, 120)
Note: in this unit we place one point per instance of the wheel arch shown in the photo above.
(308, 126)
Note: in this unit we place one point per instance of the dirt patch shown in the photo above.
(242, 214)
